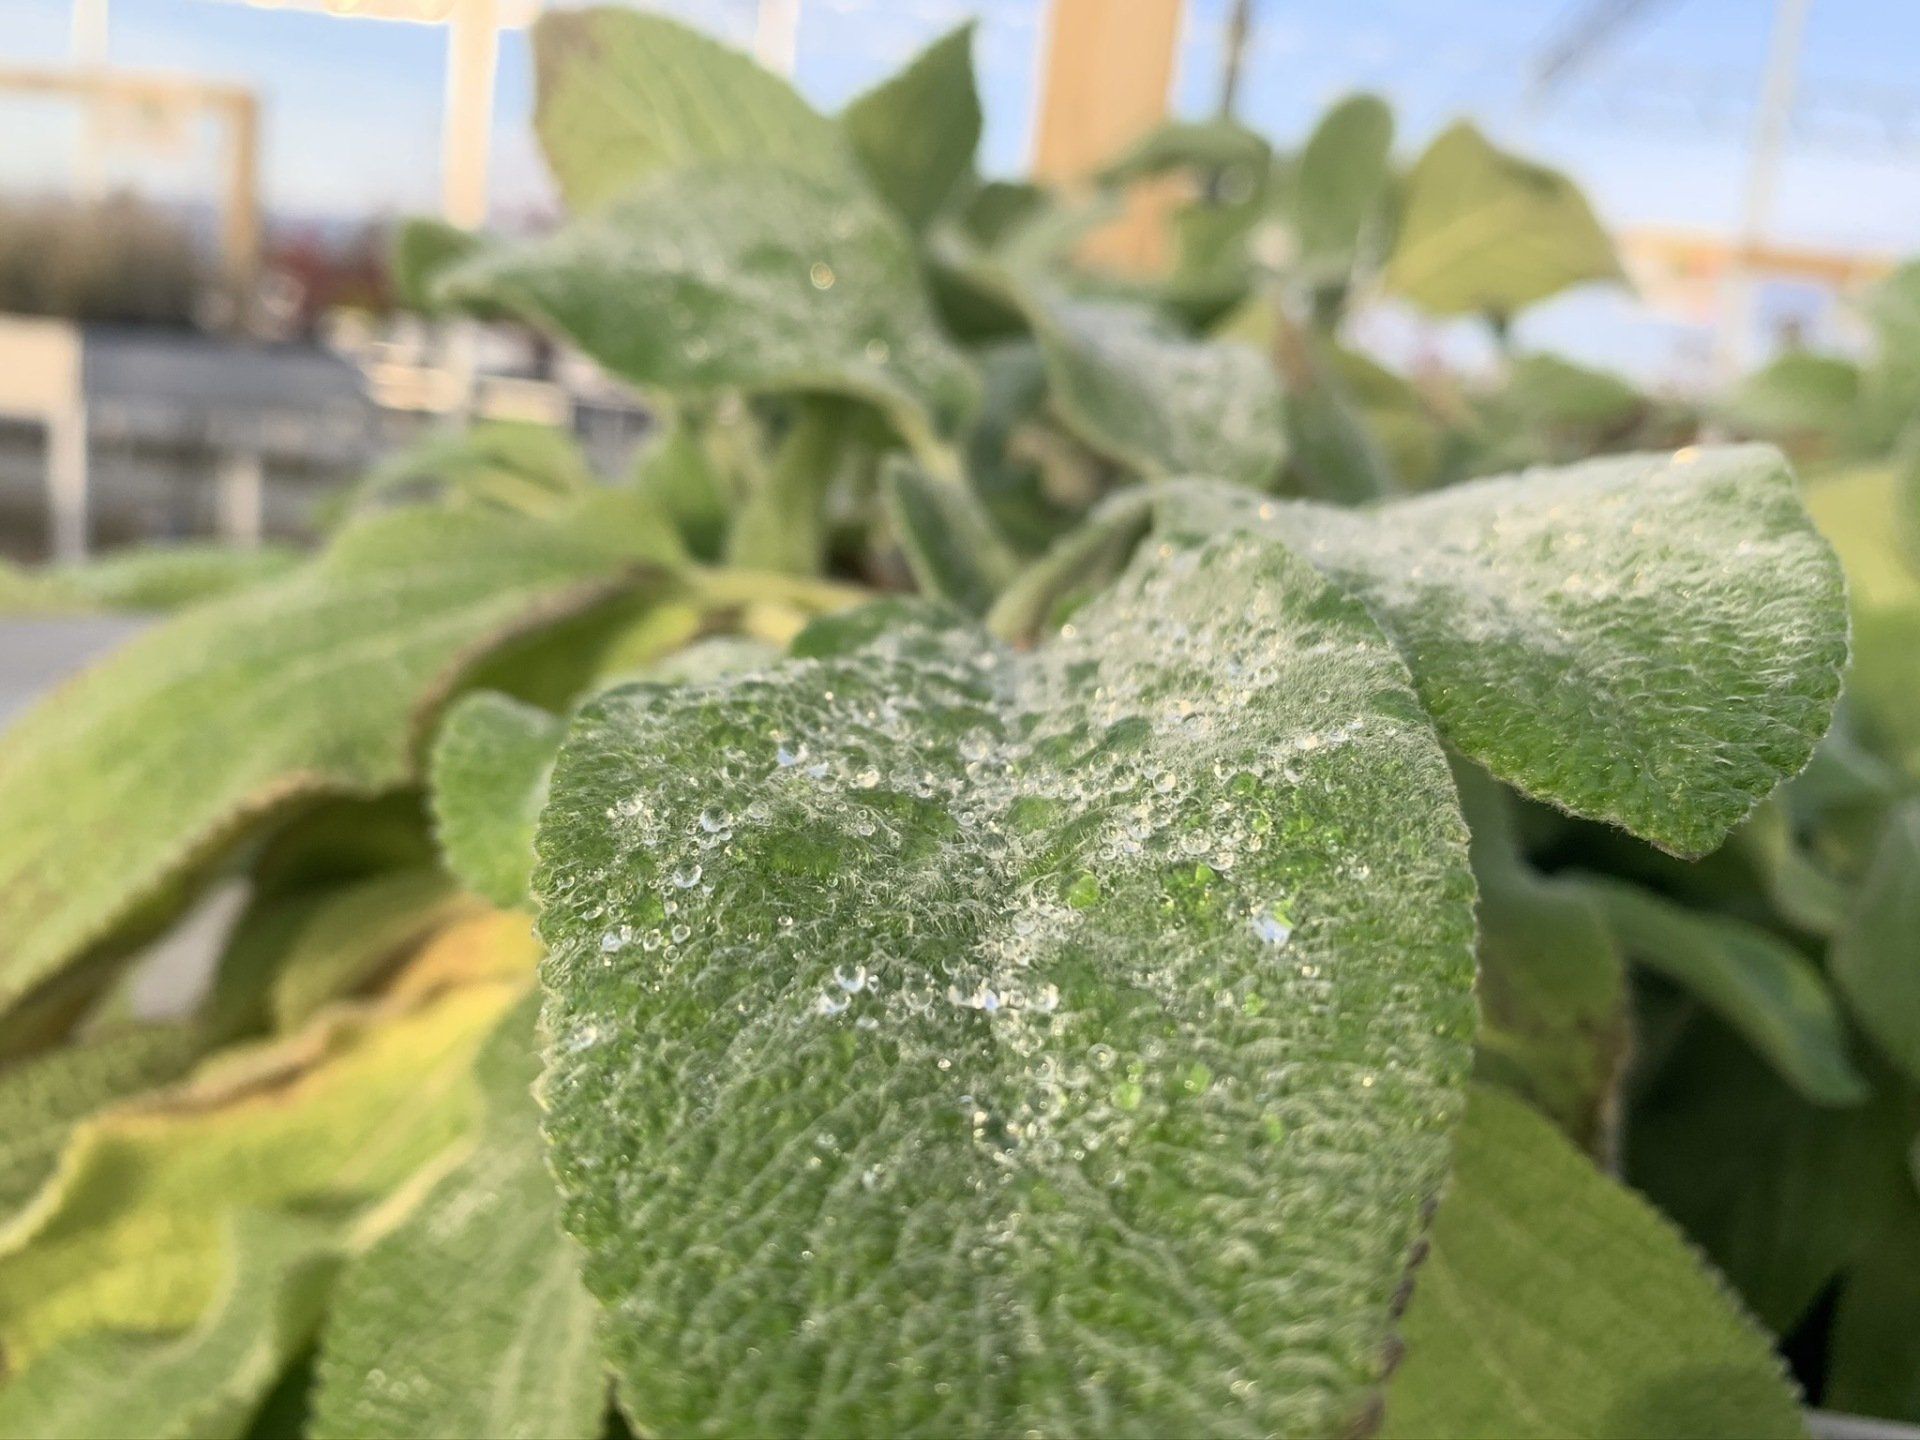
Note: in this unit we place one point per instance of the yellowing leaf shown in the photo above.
(202, 1384)
(129, 1233)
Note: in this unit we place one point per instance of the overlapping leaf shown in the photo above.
(622, 95)
(316, 683)
(202, 1385)
(43, 1097)
(491, 765)
(1765, 989)
(129, 1232)
(469, 1317)
(1485, 232)
(743, 275)
(914, 134)
(1876, 956)
(1556, 1303)
(1654, 641)
(949, 1041)
(1139, 392)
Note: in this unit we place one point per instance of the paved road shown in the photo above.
(38, 652)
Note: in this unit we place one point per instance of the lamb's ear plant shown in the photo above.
(678, 972)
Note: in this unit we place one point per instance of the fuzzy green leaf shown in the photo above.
(915, 133)
(742, 276)
(1765, 989)
(1876, 956)
(1344, 173)
(1653, 641)
(44, 1096)
(1485, 232)
(621, 96)
(1552, 985)
(314, 684)
(1141, 393)
(1554, 1302)
(157, 579)
(468, 1318)
(1858, 510)
(952, 1041)
(490, 770)
(950, 544)
(202, 1385)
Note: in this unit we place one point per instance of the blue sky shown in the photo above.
(352, 106)
(1656, 129)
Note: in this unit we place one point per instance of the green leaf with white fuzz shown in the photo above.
(738, 276)
(1654, 641)
(484, 1251)
(321, 682)
(947, 1040)
(1556, 1302)
(621, 96)
(490, 768)
(1163, 404)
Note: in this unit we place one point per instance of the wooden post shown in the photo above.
(473, 53)
(1108, 67)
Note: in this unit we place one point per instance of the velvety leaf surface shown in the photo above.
(202, 1385)
(1651, 640)
(738, 276)
(621, 96)
(468, 1318)
(128, 1234)
(44, 1096)
(914, 134)
(159, 578)
(1138, 391)
(1765, 989)
(1555, 1302)
(951, 1041)
(491, 764)
(1875, 958)
(316, 683)
(1485, 232)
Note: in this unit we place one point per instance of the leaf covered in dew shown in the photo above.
(946, 1040)
(1557, 1302)
(743, 276)
(317, 683)
(484, 1250)
(1650, 640)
